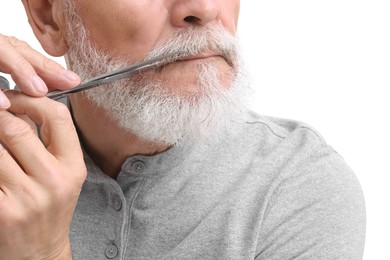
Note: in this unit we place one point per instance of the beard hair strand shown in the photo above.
(145, 106)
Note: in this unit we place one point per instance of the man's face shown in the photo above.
(131, 28)
(190, 97)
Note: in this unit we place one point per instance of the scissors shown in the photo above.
(4, 83)
(121, 73)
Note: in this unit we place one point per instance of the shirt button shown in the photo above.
(117, 204)
(138, 166)
(111, 251)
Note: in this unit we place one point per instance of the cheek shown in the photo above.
(125, 28)
(229, 15)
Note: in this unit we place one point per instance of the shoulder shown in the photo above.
(282, 139)
(280, 128)
(314, 201)
(297, 156)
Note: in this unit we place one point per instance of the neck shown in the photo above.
(105, 142)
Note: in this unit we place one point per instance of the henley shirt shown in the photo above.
(266, 189)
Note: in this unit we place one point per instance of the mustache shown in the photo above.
(196, 40)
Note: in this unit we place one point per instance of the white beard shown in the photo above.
(148, 108)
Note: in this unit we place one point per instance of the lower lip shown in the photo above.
(198, 58)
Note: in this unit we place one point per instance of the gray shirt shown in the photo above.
(267, 189)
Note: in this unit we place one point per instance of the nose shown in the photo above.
(194, 12)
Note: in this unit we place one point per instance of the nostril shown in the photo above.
(191, 19)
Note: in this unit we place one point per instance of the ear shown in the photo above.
(47, 25)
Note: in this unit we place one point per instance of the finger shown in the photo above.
(54, 75)
(24, 146)
(22, 72)
(29, 122)
(23, 63)
(57, 129)
(11, 175)
(4, 102)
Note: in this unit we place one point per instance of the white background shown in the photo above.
(323, 62)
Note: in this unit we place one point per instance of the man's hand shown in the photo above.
(32, 72)
(40, 181)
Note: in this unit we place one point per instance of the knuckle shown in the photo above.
(49, 63)
(65, 186)
(81, 175)
(20, 64)
(15, 132)
(58, 112)
(78, 178)
(17, 43)
(12, 40)
(3, 40)
(54, 113)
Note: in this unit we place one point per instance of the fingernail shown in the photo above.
(4, 102)
(38, 84)
(70, 75)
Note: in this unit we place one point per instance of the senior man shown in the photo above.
(176, 167)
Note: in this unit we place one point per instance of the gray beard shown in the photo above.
(147, 107)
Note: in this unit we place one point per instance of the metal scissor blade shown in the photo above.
(117, 74)
(4, 83)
